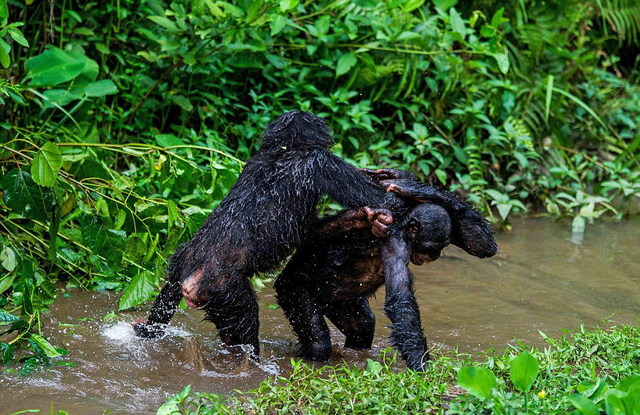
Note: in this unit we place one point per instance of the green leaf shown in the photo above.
(504, 209)
(278, 23)
(547, 101)
(445, 5)
(18, 37)
(4, 10)
(164, 22)
(46, 165)
(286, 5)
(53, 67)
(100, 88)
(4, 57)
(583, 405)
(373, 366)
(503, 62)
(7, 282)
(7, 351)
(47, 347)
(139, 290)
(478, 381)
(411, 5)
(345, 63)
(8, 258)
(24, 197)
(456, 22)
(6, 318)
(524, 371)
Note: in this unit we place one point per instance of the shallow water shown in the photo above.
(542, 279)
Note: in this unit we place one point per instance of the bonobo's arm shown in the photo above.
(400, 304)
(470, 231)
(164, 307)
(347, 186)
(378, 220)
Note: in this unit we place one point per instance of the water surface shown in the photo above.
(541, 279)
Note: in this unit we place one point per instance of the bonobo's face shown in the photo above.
(428, 230)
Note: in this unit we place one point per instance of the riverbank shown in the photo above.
(589, 371)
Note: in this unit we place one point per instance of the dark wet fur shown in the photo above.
(335, 272)
(267, 214)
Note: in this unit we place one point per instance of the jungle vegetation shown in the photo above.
(123, 123)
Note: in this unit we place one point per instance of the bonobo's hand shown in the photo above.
(380, 220)
(148, 330)
(380, 175)
(402, 187)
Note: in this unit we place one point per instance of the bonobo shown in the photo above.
(267, 214)
(342, 264)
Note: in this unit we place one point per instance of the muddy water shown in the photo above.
(542, 279)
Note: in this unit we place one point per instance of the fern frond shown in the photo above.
(624, 18)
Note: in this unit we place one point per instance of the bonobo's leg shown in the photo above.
(232, 306)
(400, 304)
(470, 231)
(303, 314)
(163, 309)
(355, 320)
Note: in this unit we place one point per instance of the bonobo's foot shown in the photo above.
(149, 330)
(320, 351)
(418, 363)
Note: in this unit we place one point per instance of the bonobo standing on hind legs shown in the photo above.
(341, 265)
(267, 214)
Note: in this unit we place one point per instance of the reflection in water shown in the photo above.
(540, 280)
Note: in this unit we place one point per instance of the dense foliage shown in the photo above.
(123, 123)
(590, 372)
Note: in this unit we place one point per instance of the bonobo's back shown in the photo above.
(271, 207)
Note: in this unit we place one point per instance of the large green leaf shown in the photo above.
(478, 381)
(5, 61)
(345, 63)
(583, 404)
(47, 347)
(25, 197)
(139, 290)
(100, 88)
(4, 10)
(55, 66)
(6, 318)
(524, 371)
(46, 165)
(456, 22)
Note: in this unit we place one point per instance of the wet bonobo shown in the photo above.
(267, 214)
(342, 264)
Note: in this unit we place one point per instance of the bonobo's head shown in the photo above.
(428, 228)
(297, 129)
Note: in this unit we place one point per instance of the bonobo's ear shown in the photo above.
(471, 232)
(413, 227)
